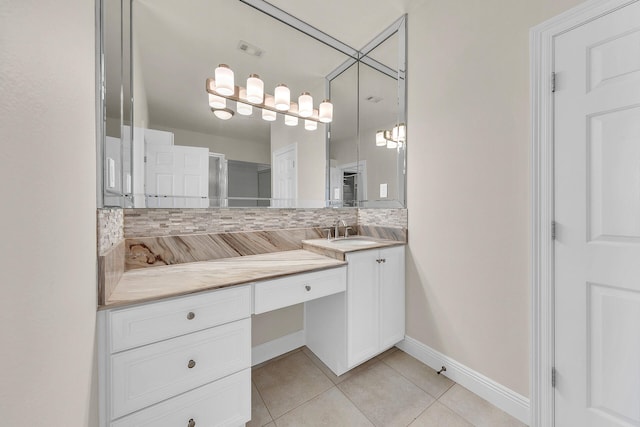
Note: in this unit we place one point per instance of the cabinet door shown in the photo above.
(362, 306)
(392, 296)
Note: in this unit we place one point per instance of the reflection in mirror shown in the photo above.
(365, 170)
(174, 49)
(165, 148)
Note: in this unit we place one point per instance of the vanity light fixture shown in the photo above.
(223, 113)
(222, 88)
(381, 141)
(225, 85)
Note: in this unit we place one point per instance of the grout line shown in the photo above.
(412, 382)
(263, 402)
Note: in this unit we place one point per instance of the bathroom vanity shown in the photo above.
(175, 341)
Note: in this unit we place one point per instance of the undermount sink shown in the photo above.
(353, 241)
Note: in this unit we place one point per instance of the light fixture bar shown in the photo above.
(210, 87)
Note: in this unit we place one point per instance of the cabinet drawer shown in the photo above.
(144, 376)
(226, 402)
(273, 294)
(145, 324)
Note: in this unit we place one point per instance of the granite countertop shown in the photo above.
(154, 283)
(337, 248)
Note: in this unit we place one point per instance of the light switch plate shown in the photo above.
(383, 191)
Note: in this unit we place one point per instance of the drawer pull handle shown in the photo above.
(192, 423)
(191, 364)
(191, 315)
(307, 287)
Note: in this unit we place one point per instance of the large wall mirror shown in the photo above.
(163, 146)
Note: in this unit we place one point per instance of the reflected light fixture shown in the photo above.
(325, 114)
(282, 96)
(222, 113)
(392, 138)
(290, 120)
(255, 89)
(225, 84)
(310, 125)
(222, 88)
(267, 114)
(243, 108)
(217, 102)
(305, 105)
(399, 133)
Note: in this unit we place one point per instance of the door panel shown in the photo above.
(597, 212)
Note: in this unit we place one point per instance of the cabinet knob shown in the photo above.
(191, 423)
(191, 364)
(307, 287)
(191, 315)
(383, 260)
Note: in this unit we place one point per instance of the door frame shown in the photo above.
(542, 199)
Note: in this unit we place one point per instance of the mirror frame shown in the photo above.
(354, 56)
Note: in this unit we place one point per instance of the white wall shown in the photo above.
(468, 181)
(48, 216)
(234, 149)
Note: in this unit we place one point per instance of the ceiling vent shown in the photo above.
(250, 49)
(373, 99)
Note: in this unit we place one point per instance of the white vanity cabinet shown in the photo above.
(348, 329)
(184, 361)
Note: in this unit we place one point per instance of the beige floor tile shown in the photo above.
(282, 356)
(259, 413)
(386, 397)
(419, 373)
(330, 409)
(387, 353)
(476, 410)
(271, 424)
(288, 382)
(333, 377)
(438, 415)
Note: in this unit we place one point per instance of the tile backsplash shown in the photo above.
(110, 228)
(394, 218)
(170, 222)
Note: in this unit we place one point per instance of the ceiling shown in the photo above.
(180, 43)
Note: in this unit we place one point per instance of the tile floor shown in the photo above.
(393, 389)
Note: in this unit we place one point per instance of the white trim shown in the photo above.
(542, 193)
(269, 350)
(500, 396)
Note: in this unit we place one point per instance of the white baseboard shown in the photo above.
(269, 350)
(500, 396)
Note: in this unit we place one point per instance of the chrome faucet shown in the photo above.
(336, 232)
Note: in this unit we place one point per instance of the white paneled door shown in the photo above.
(285, 176)
(597, 213)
